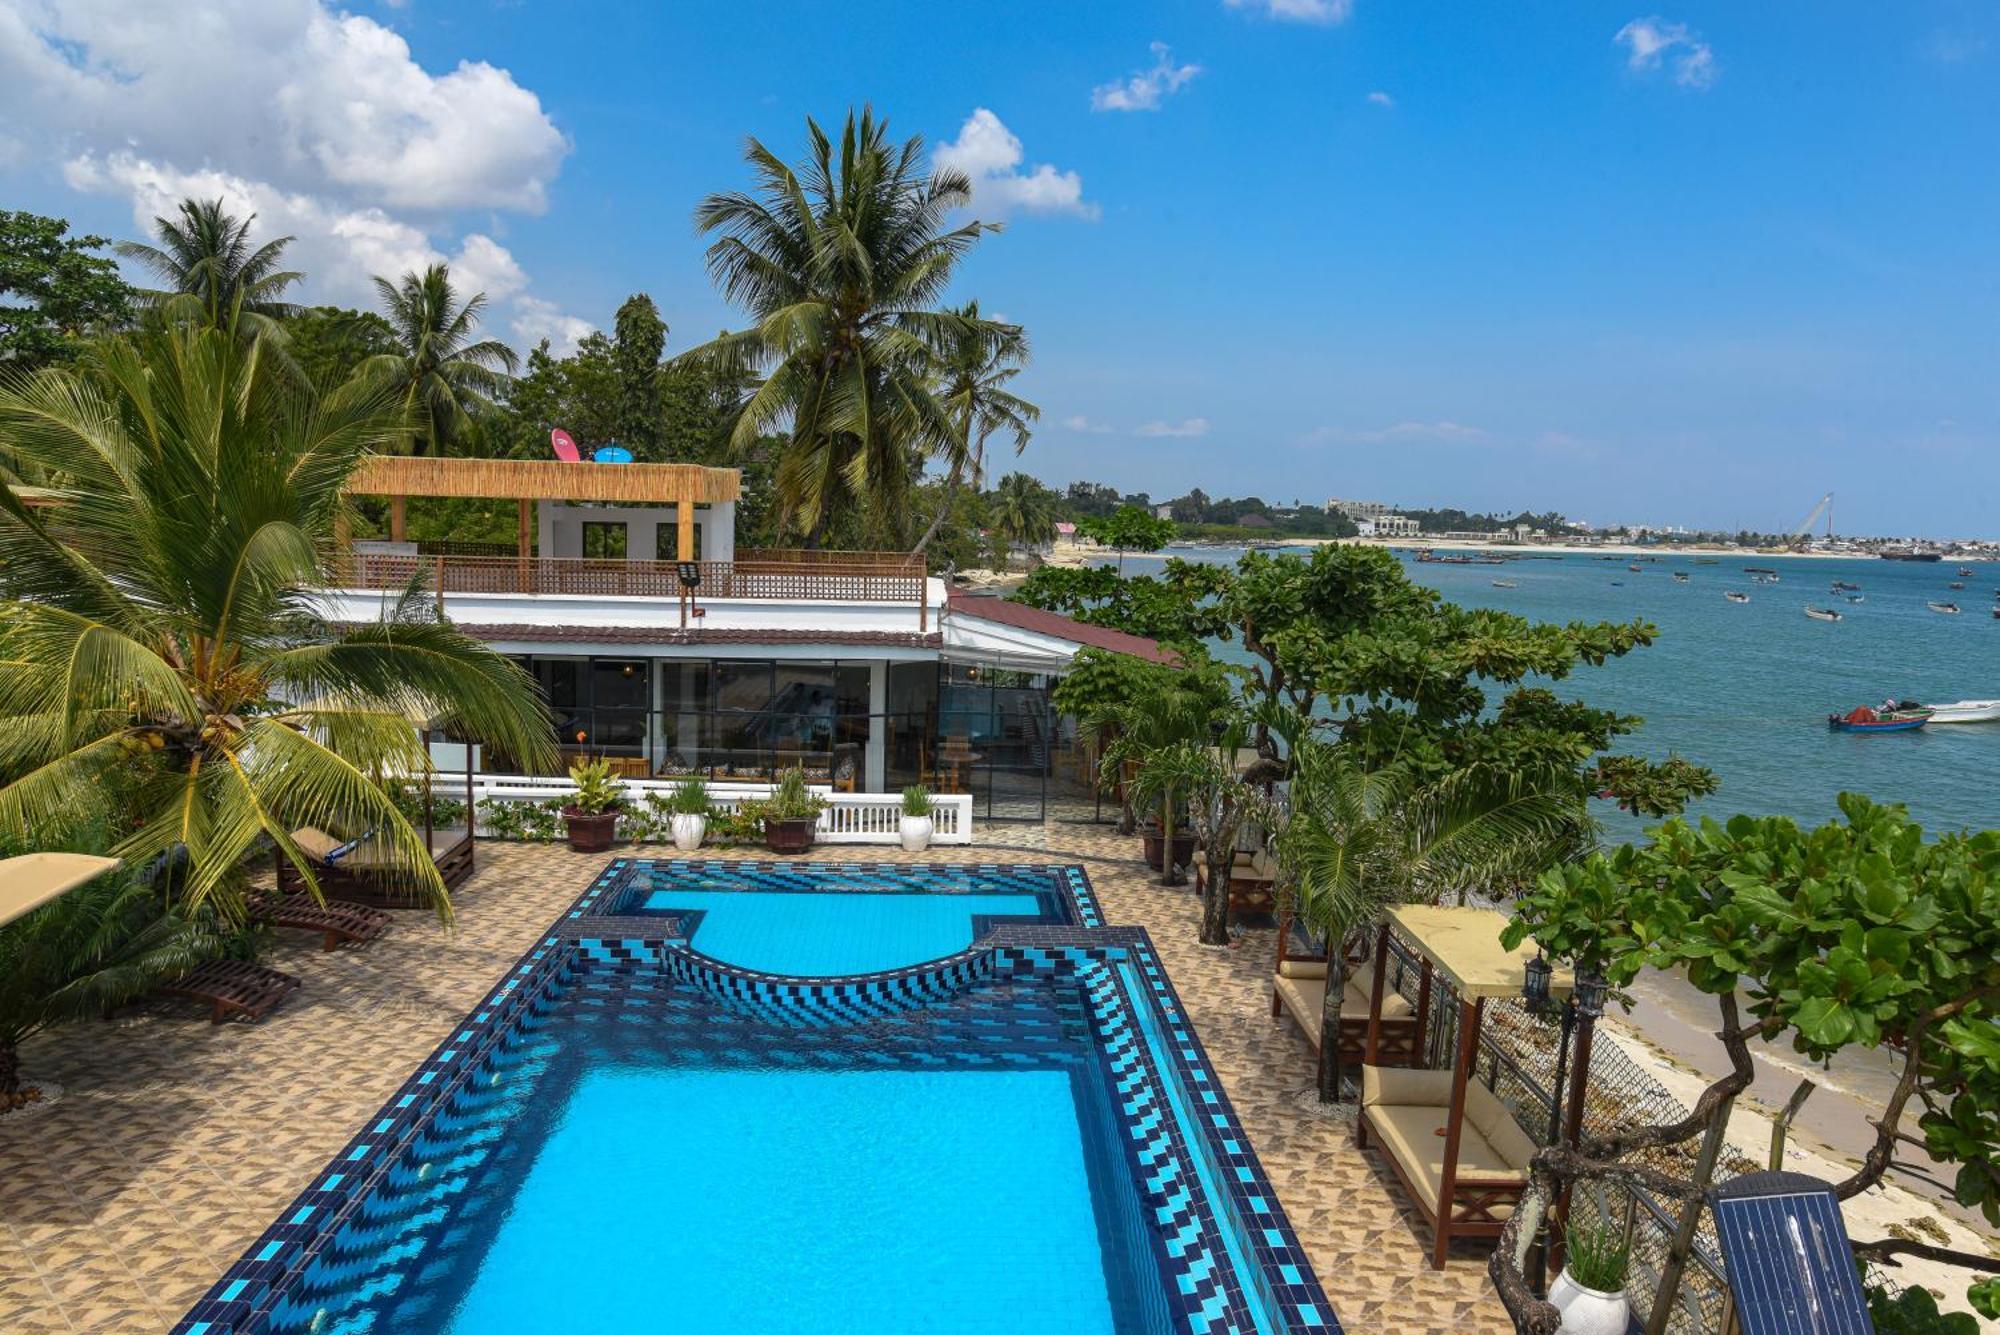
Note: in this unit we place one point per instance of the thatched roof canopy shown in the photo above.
(545, 480)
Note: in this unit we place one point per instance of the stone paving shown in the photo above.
(175, 1143)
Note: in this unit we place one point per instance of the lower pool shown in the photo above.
(629, 1136)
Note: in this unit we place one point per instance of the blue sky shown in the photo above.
(1697, 264)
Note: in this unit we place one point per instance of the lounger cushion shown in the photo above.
(318, 845)
(1408, 1109)
(1302, 969)
(1304, 994)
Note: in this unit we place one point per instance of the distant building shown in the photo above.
(1395, 526)
(1359, 510)
(1163, 512)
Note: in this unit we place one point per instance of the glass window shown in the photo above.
(618, 683)
(604, 540)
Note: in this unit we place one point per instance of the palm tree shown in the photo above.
(437, 370)
(1357, 840)
(100, 945)
(211, 272)
(841, 263)
(158, 622)
(974, 370)
(1023, 511)
(1162, 735)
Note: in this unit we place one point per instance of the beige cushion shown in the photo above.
(1407, 1111)
(1304, 998)
(1361, 986)
(315, 843)
(1302, 969)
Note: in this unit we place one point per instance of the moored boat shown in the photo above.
(1857, 597)
(1680, 577)
(1735, 597)
(1864, 719)
(1956, 584)
(1967, 711)
(1821, 613)
(1842, 586)
(1949, 609)
(1505, 584)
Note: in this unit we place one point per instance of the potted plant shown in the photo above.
(688, 808)
(791, 814)
(1590, 1292)
(916, 825)
(592, 816)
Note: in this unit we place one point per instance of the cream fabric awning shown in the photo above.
(1464, 945)
(33, 879)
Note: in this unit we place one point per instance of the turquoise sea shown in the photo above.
(1745, 688)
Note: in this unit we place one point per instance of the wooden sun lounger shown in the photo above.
(337, 921)
(232, 988)
(364, 876)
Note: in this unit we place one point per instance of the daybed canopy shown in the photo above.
(1463, 944)
(33, 879)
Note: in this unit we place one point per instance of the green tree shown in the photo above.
(212, 273)
(54, 291)
(841, 263)
(640, 337)
(1359, 838)
(438, 372)
(97, 947)
(1022, 511)
(975, 369)
(1857, 934)
(1128, 529)
(157, 630)
(1151, 735)
(330, 343)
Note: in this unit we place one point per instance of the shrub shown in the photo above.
(1597, 1257)
(916, 800)
(792, 800)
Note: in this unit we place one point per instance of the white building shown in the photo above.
(1360, 510)
(661, 646)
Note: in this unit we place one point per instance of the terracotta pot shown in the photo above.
(1183, 848)
(590, 834)
(789, 836)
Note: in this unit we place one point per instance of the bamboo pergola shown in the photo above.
(525, 481)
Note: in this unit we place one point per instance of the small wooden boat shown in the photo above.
(1680, 577)
(1842, 586)
(1707, 561)
(1821, 613)
(1967, 711)
(1965, 571)
(1505, 584)
(1865, 719)
(1735, 597)
(1956, 584)
(1949, 609)
(1634, 568)
(1857, 597)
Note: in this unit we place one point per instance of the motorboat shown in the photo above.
(1956, 584)
(1635, 568)
(1763, 579)
(1821, 613)
(1680, 577)
(1967, 711)
(1857, 597)
(1842, 586)
(1904, 717)
(1949, 609)
(1965, 572)
(1506, 584)
(1735, 597)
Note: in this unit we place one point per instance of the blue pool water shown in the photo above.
(822, 934)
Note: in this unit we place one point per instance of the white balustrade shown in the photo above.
(849, 818)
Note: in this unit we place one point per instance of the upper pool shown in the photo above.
(825, 920)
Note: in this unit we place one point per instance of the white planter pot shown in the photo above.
(1589, 1311)
(915, 832)
(688, 831)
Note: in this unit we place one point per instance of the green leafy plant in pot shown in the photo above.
(791, 814)
(688, 808)
(918, 821)
(592, 815)
(1590, 1292)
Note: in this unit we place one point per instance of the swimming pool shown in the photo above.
(632, 1133)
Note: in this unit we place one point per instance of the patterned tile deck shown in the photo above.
(176, 1142)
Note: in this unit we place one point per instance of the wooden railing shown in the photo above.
(855, 577)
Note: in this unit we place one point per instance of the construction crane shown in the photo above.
(1825, 507)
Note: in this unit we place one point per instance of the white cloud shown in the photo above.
(1446, 431)
(535, 320)
(1298, 11)
(320, 122)
(1381, 99)
(1652, 43)
(1081, 423)
(1193, 426)
(988, 152)
(1145, 90)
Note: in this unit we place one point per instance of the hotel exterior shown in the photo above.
(663, 648)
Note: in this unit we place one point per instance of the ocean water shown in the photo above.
(818, 935)
(1745, 688)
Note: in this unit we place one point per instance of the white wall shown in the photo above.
(560, 528)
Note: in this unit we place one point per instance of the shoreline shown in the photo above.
(1074, 554)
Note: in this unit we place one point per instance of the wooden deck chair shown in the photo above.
(232, 989)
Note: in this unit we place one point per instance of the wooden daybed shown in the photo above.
(232, 989)
(1252, 881)
(1457, 1150)
(1298, 986)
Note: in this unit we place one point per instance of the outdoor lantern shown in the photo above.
(690, 573)
(1536, 985)
(1590, 990)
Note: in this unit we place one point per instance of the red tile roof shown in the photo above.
(1023, 617)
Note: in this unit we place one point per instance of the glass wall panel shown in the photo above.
(604, 540)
